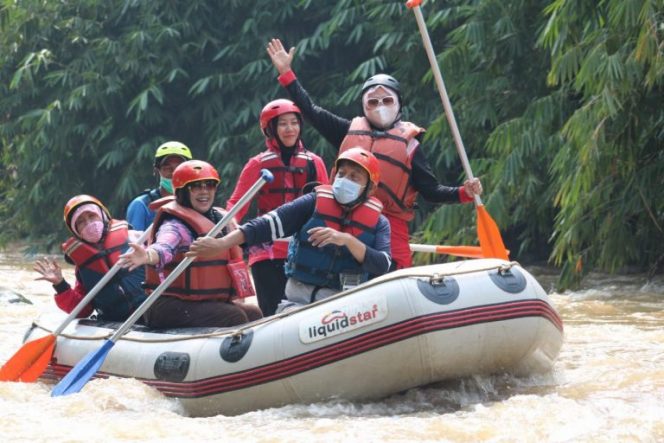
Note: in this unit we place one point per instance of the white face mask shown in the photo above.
(346, 191)
(383, 116)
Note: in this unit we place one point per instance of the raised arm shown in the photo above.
(331, 126)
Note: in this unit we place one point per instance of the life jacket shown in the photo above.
(323, 266)
(123, 293)
(391, 148)
(288, 180)
(203, 279)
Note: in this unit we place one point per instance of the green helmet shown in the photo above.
(171, 148)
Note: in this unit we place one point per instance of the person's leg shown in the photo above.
(400, 243)
(171, 312)
(252, 312)
(270, 283)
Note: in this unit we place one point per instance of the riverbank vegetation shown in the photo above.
(559, 103)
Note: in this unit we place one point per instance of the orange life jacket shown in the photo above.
(205, 278)
(391, 148)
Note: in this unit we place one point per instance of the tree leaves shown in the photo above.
(558, 102)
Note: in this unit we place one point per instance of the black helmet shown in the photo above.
(382, 80)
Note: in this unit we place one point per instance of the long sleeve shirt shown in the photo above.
(174, 237)
(289, 219)
(334, 129)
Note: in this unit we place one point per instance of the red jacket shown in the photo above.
(267, 200)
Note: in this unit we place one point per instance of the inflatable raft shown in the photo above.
(406, 329)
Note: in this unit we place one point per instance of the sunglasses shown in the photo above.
(387, 101)
(203, 184)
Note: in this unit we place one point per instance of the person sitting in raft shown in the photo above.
(404, 169)
(295, 169)
(94, 248)
(203, 295)
(340, 237)
(167, 157)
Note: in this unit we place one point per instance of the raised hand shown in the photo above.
(49, 270)
(281, 59)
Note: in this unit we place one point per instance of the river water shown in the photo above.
(607, 385)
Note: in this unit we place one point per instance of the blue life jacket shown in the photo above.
(323, 266)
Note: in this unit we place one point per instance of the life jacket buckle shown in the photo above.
(350, 280)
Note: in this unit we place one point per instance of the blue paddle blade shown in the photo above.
(83, 371)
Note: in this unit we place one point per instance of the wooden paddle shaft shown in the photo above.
(426, 40)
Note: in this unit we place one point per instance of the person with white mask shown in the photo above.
(95, 246)
(340, 238)
(404, 170)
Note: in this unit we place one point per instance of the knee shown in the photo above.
(252, 312)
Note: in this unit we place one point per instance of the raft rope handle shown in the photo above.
(502, 267)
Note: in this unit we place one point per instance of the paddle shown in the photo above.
(491, 241)
(459, 251)
(84, 370)
(29, 362)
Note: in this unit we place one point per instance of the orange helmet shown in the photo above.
(193, 171)
(276, 108)
(363, 158)
(79, 200)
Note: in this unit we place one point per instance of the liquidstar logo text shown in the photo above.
(342, 319)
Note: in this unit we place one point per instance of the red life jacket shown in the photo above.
(205, 278)
(84, 255)
(361, 219)
(391, 148)
(123, 293)
(288, 180)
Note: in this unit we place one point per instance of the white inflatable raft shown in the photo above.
(405, 329)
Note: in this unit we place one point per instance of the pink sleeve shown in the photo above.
(70, 298)
(249, 175)
(172, 237)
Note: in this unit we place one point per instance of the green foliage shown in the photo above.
(558, 102)
(609, 166)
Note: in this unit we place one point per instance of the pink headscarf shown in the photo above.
(88, 207)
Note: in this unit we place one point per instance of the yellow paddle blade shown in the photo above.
(29, 362)
(491, 241)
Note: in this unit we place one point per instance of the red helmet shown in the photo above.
(193, 171)
(276, 108)
(79, 200)
(363, 158)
